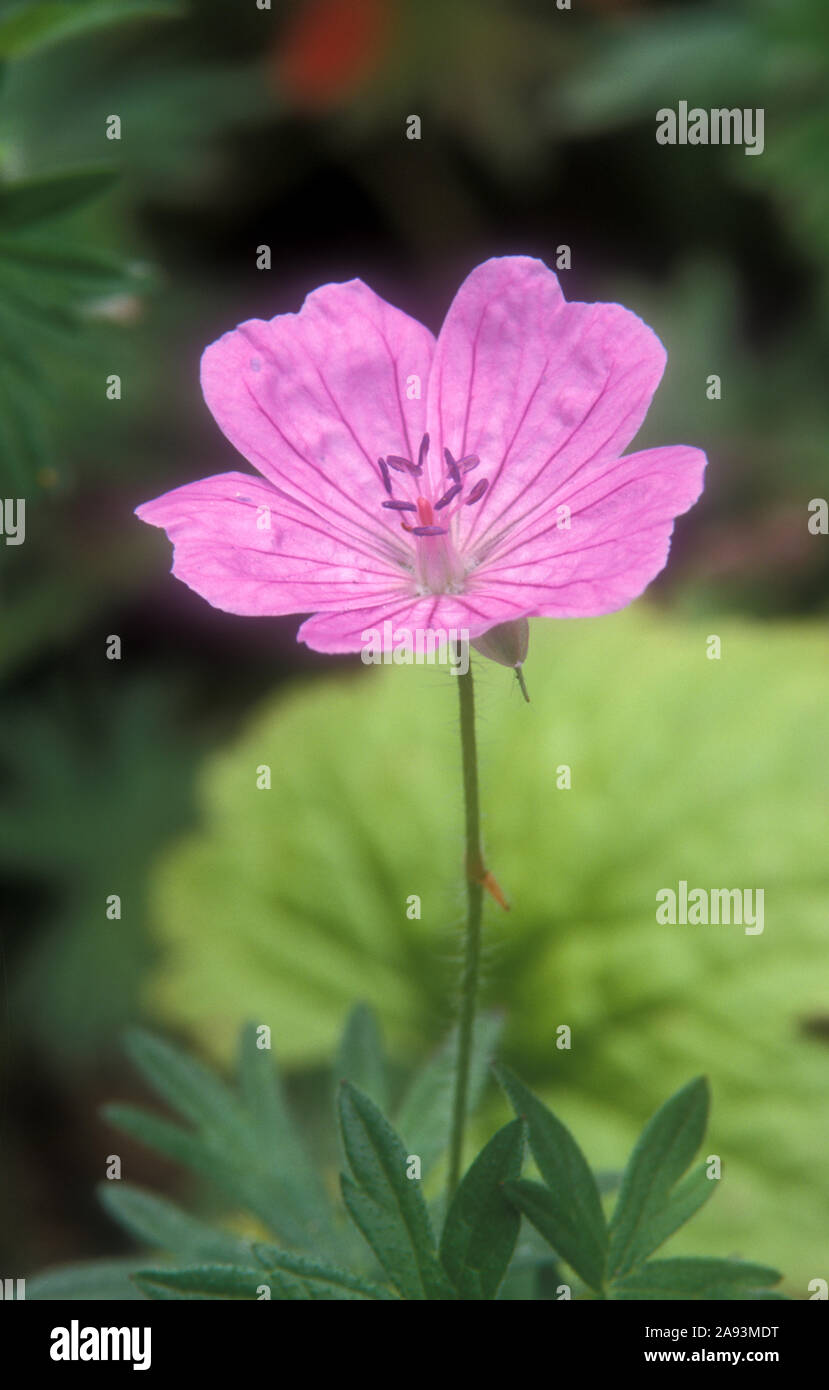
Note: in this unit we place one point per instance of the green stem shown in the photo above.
(472, 943)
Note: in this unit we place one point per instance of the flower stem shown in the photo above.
(472, 943)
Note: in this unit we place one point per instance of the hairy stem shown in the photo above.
(472, 940)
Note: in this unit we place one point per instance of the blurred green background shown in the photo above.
(287, 127)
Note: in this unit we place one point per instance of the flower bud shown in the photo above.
(507, 643)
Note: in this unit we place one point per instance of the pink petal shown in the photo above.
(312, 399)
(225, 553)
(466, 615)
(618, 541)
(541, 389)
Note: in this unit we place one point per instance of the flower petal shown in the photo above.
(249, 551)
(468, 616)
(617, 542)
(541, 389)
(312, 399)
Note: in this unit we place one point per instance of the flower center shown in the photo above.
(438, 566)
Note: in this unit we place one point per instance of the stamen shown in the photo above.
(451, 466)
(476, 494)
(468, 462)
(384, 474)
(428, 530)
(402, 465)
(395, 506)
(422, 452)
(449, 496)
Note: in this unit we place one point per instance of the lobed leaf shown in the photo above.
(167, 1138)
(550, 1216)
(201, 1282)
(159, 1223)
(276, 1139)
(186, 1085)
(263, 1194)
(481, 1225)
(663, 1152)
(687, 1197)
(52, 195)
(572, 1216)
(321, 1281)
(360, 1058)
(387, 1206)
(91, 1281)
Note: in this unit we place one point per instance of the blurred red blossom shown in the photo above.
(331, 47)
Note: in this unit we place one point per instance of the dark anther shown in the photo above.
(384, 474)
(448, 497)
(452, 467)
(475, 495)
(422, 452)
(402, 465)
(428, 530)
(468, 462)
(395, 506)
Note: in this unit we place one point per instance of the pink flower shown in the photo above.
(450, 484)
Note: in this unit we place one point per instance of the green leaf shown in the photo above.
(47, 290)
(164, 1136)
(95, 817)
(201, 1282)
(572, 1212)
(159, 1223)
(187, 1086)
(320, 1281)
(93, 1281)
(35, 200)
(247, 1176)
(667, 1145)
(694, 1278)
(481, 1226)
(360, 1058)
(425, 1115)
(33, 26)
(548, 1214)
(232, 1175)
(256, 1157)
(56, 271)
(626, 75)
(686, 1198)
(24, 441)
(387, 1206)
(276, 1139)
